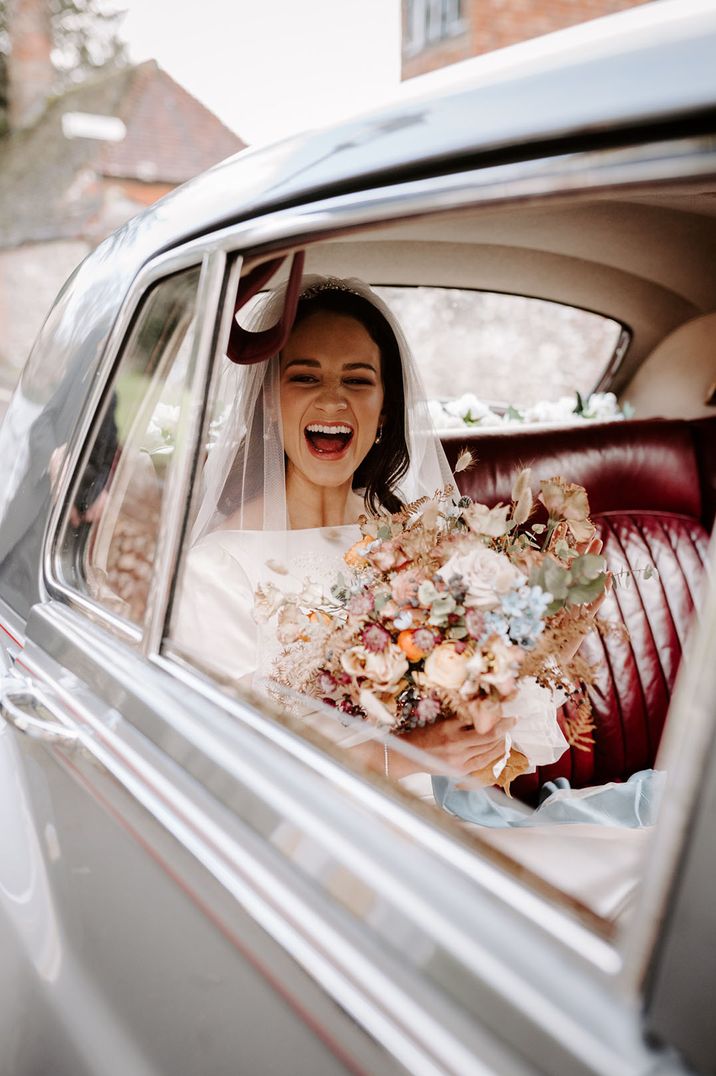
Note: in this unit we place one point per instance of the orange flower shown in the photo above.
(355, 556)
(406, 644)
(317, 616)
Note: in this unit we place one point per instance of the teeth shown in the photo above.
(316, 428)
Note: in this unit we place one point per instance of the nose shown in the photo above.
(331, 399)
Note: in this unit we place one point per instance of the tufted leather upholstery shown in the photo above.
(652, 491)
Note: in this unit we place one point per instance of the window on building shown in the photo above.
(432, 21)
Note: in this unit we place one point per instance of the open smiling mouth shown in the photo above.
(328, 441)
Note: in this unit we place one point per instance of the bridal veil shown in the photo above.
(244, 474)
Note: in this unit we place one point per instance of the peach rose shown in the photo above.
(489, 521)
(444, 667)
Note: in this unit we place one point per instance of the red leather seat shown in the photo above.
(652, 492)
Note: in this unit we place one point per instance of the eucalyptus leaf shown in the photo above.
(563, 550)
(583, 593)
(587, 567)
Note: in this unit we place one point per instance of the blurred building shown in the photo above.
(440, 32)
(75, 167)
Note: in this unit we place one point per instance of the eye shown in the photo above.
(302, 379)
(359, 381)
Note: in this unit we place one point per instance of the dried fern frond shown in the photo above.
(578, 724)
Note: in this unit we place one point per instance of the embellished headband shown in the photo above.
(327, 283)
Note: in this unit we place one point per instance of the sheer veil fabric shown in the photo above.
(244, 476)
(240, 539)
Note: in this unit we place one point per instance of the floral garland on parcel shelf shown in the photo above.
(446, 608)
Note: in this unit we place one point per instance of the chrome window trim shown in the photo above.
(210, 333)
(540, 910)
(52, 583)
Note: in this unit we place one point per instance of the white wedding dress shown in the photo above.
(215, 620)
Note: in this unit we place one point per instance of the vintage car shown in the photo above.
(195, 880)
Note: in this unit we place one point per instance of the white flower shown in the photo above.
(602, 406)
(468, 407)
(161, 431)
(311, 594)
(440, 418)
(374, 708)
(292, 625)
(267, 600)
(491, 522)
(486, 573)
(561, 410)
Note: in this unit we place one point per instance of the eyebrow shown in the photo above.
(316, 364)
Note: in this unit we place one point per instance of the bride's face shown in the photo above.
(331, 397)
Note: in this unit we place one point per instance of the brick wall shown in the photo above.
(493, 24)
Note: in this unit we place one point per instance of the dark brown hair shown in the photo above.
(387, 462)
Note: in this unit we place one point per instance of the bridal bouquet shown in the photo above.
(450, 609)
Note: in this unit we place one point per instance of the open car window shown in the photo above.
(514, 360)
(110, 534)
(606, 736)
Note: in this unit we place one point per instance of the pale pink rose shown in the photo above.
(404, 587)
(385, 556)
(491, 522)
(487, 575)
(384, 670)
(444, 667)
(353, 661)
(564, 500)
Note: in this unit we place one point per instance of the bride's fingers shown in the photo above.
(486, 717)
(484, 758)
(497, 730)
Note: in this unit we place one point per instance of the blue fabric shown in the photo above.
(632, 804)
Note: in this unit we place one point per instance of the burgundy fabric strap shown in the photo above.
(247, 348)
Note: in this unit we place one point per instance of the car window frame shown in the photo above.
(612, 364)
(208, 302)
(288, 229)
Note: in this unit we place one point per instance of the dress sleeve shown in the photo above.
(214, 621)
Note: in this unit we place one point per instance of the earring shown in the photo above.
(379, 436)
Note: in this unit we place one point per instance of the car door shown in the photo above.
(126, 950)
(228, 893)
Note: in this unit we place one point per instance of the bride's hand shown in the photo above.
(453, 746)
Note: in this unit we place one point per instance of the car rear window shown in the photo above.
(508, 356)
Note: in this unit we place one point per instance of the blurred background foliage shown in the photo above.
(85, 36)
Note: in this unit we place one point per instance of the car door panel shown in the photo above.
(146, 958)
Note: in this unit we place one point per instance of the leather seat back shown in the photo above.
(651, 491)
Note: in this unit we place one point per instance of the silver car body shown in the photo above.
(152, 917)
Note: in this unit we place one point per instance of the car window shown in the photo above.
(513, 359)
(110, 533)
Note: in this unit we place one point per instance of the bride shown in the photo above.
(332, 427)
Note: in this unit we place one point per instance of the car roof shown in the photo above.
(653, 64)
